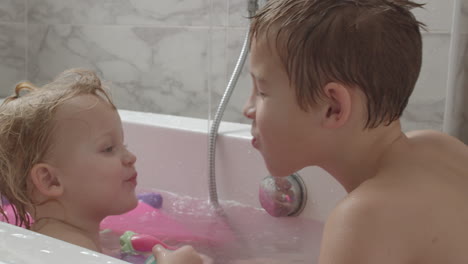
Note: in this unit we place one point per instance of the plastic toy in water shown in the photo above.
(146, 219)
(164, 227)
(137, 244)
(133, 243)
(151, 198)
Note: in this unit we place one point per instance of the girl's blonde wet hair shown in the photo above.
(26, 125)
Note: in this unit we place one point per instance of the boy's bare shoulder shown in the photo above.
(433, 138)
(366, 227)
(417, 198)
(423, 160)
(381, 199)
(379, 222)
(437, 158)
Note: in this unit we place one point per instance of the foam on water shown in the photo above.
(240, 234)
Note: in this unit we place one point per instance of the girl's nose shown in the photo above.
(129, 159)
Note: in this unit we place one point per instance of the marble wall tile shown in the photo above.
(427, 103)
(437, 14)
(464, 13)
(463, 72)
(12, 57)
(432, 80)
(233, 112)
(12, 11)
(238, 13)
(218, 69)
(124, 12)
(423, 114)
(134, 44)
(163, 70)
(456, 115)
(456, 119)
(219, 13)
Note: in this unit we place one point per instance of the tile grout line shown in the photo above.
(26, 48)
(210, 65)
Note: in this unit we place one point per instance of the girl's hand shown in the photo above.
(183, 255)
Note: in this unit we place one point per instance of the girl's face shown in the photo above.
(94, 165)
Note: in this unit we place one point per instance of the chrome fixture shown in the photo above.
(283, 196)
(252, 7)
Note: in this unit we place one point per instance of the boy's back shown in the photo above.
(415, 210)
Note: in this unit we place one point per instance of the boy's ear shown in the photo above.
(338, 105)
(46, 181)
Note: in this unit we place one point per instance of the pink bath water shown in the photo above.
(241, 234)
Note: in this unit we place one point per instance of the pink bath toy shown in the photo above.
(164, 226)
(133, 243)
(151, 198)
(145, 219)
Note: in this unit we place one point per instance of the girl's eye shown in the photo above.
(109, 149)
(260, 94)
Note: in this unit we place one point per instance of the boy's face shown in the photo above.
(95, 167)
(283, 133)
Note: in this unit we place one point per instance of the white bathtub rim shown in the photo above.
(19, 245)
(228, 129)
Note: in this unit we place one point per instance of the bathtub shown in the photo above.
(172, 156)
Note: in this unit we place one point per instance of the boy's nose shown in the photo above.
(249, 109)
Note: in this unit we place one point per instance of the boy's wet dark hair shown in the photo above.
(372, 45)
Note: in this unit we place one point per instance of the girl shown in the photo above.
(63, 161)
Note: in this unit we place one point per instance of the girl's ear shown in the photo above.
(46, 181)
(338, 105)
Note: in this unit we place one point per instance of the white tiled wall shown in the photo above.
(173, 57)
(437, 14)
(12, 11)
(456, 111)
(427, 104)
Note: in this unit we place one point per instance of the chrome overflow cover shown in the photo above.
(283, 196)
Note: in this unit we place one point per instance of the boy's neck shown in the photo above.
(360, 159)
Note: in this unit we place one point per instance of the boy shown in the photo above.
(331, 79)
